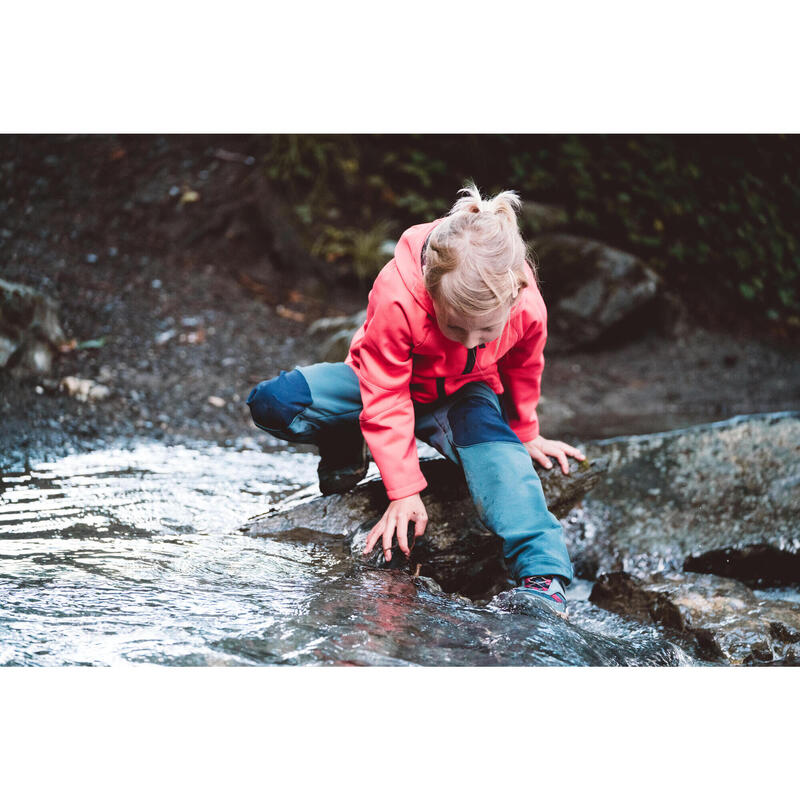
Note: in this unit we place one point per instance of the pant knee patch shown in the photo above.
(276, 402)
(475, 420)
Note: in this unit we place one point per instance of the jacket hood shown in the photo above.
(408, 257)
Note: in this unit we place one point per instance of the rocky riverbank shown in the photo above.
(167, 313)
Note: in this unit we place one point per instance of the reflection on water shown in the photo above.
(134, 555)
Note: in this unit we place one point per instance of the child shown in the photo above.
(451, 352)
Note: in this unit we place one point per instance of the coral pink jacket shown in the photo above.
(401, 357)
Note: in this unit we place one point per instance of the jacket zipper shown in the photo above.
(472, 356)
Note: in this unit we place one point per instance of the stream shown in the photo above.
(134, 554)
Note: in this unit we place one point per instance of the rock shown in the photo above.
(330, 336)
(456, 550)
(592, 290)
(727, 620)
(29, 329)
(83, 389)
(722, 498)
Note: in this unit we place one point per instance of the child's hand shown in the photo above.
(396, 518)
(540, 448)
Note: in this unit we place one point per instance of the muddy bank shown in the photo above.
(122, 232)
(101, 233)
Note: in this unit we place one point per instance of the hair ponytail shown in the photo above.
(476, 255)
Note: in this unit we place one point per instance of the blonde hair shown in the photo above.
(475, 259)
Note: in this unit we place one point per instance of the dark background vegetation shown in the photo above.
(715, 215)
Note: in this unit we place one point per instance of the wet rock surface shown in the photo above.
(457, 551)
(388, 617)
(721, 498)
(726, 619)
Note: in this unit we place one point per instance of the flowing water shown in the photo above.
(135, 555)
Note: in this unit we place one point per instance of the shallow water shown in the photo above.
(135, 555)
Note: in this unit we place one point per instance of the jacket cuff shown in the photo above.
(526, 431)
(399, 492)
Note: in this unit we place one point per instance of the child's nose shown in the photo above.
(472, 341)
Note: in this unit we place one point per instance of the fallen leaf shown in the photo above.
(260, 289)
(287, 313)
(68, 346)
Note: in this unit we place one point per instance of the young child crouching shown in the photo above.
(451, 352)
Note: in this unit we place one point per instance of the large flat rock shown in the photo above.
(456, 550)
(722, 498)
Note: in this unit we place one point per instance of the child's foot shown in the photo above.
(549, 589)
(344, 461)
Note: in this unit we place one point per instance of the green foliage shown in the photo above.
(366, 251)
(717, 216)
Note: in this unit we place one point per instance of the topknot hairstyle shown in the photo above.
(475, 259)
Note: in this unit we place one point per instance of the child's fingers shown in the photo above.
(420, 523)
(562, 459)
(574, 452)
(538, 456)
(373, 537)
(388, 534)
(402, 534)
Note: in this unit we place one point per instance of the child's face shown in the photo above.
(468, 330)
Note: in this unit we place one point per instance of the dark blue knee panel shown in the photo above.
(276, 402)
(475, 420)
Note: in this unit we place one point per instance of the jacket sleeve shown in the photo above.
(387, 420)
(521, 374)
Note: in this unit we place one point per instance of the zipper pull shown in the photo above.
(472, 355)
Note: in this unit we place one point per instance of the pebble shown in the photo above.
(165, 336)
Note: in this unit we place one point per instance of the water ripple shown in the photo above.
(134, 555)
